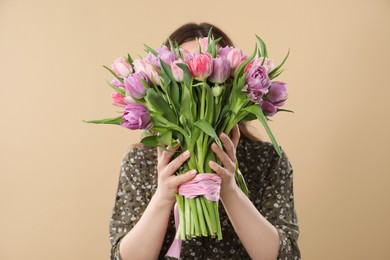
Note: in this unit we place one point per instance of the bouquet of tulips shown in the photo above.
(190, 98)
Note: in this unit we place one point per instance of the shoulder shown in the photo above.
(258, 150)
(139, 154)
(262, 156)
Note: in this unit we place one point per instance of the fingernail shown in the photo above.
(214, 145)
(212, 163)
(187, 153)
(193, 172)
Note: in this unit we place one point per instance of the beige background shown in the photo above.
(58, 175)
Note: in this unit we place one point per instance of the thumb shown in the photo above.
(183, 178)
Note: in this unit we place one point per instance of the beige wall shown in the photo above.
(58, 176)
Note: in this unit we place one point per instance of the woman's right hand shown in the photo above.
(168, 182)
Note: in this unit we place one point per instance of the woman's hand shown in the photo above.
(168, 182)
(228, 160)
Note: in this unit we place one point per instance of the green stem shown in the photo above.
(200, 213)
(212, 214)
(195, 217)
(181, 234)
(188, 217)
(199, 142)
(206, 215)
(216, 210)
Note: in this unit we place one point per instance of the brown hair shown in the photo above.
(189, 32)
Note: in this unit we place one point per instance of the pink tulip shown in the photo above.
(118, 100)
(201, 66)
(145, 66)
(122, 68)
(234, 56)
(203, 44)
(268, 64)
(177, 72)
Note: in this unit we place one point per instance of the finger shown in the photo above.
(183, 178)
(175, 164)
(235, 135)
(166, 156)
(229, 146)
(217, 168)
(225, 159)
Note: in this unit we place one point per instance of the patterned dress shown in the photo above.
(270, 183)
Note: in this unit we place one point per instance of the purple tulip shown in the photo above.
(164, 53)
(277, 93)
(224, 51)
(268, 108)
(134, 85)
(257, 83)
(136, 116)
(117, 83)
(221, 70)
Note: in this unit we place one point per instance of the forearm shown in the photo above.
(145, 239)
(259, 237)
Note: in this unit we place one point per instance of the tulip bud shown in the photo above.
(221, 70)
(177, 72)
(203, 42)
(217, 90)
(122, 68)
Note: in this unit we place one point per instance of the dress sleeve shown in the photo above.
(278, 206)
(130, 200)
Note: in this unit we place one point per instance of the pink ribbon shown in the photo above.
(205, 184)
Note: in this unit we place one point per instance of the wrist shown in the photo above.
(162, 201)
(228, 194)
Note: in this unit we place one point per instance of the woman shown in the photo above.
(261, 226)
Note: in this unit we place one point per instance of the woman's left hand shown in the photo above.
(228, 159)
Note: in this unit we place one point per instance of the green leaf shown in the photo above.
(256, 110)
(210, 110)
(129, 60)
(157, 104)
(249, 117)
(280, 65)
(285, 110)
(263, 48)
(237, 93)
(113, 73)
(119, 90)
(149, 49)
(150, 141)
(208, 129)
(165, 138)
(186, 104)
(111, 121)
(187, 75)
(172, 88)
(276, 74)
